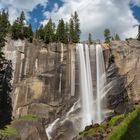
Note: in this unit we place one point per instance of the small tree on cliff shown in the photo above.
(107, 35)
(117, 37)
(90, 38)
(77, 31)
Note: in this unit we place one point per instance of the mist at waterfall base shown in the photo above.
(92, 100)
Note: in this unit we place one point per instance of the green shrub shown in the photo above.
(120, 130)
(8, 131)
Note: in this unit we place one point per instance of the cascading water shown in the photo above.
(91, 102)
(101, 82)
(85, 85)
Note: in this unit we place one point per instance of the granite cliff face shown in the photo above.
(43, 79)
(123, 75)
(46, 81)
(127, 60)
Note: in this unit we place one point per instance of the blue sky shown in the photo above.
(120, 16)
(37, 13)
(136, 12)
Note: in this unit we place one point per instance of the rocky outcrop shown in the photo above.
(24, 129)
(127, 60)
(30, 130)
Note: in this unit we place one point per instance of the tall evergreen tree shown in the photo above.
(61, 32)
(107, 35)
(67, 32)
(77, 31)
(54, 32)
(28, 33)
(5, 75)
(48, 32)
(17, 30)
(4, 25)
(71, 30)
(40, 33)
(22, 18)
(5, 89)
(5, 22)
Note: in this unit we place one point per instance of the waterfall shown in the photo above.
(50, 128)
(91, 101)
(101, 81)
(86, 88)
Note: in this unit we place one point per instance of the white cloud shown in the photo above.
(16, 6)
(96, 15)
(135, 2)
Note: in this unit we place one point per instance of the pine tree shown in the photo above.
(30, 37)
(107, 35)
(71, 30)
(5, 75)
(90, 38)
(22, 18)
(5, 89)
(54, 32)
(21, 31)
(67, 32)
(5, 22)
(4, 25)
(117, 37)
(48, 32)
(139, 32)
(17, 30)
(40, 33)
(77, 31)
(61, 33)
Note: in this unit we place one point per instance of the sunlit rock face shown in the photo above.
(127, 60)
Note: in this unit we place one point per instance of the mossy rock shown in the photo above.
(115, 119)
(119, 132)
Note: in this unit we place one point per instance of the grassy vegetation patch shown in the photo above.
(8, 131)
(115, 119)
(89, 132)
(92, 131)
(121, 130)
(29, 118)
